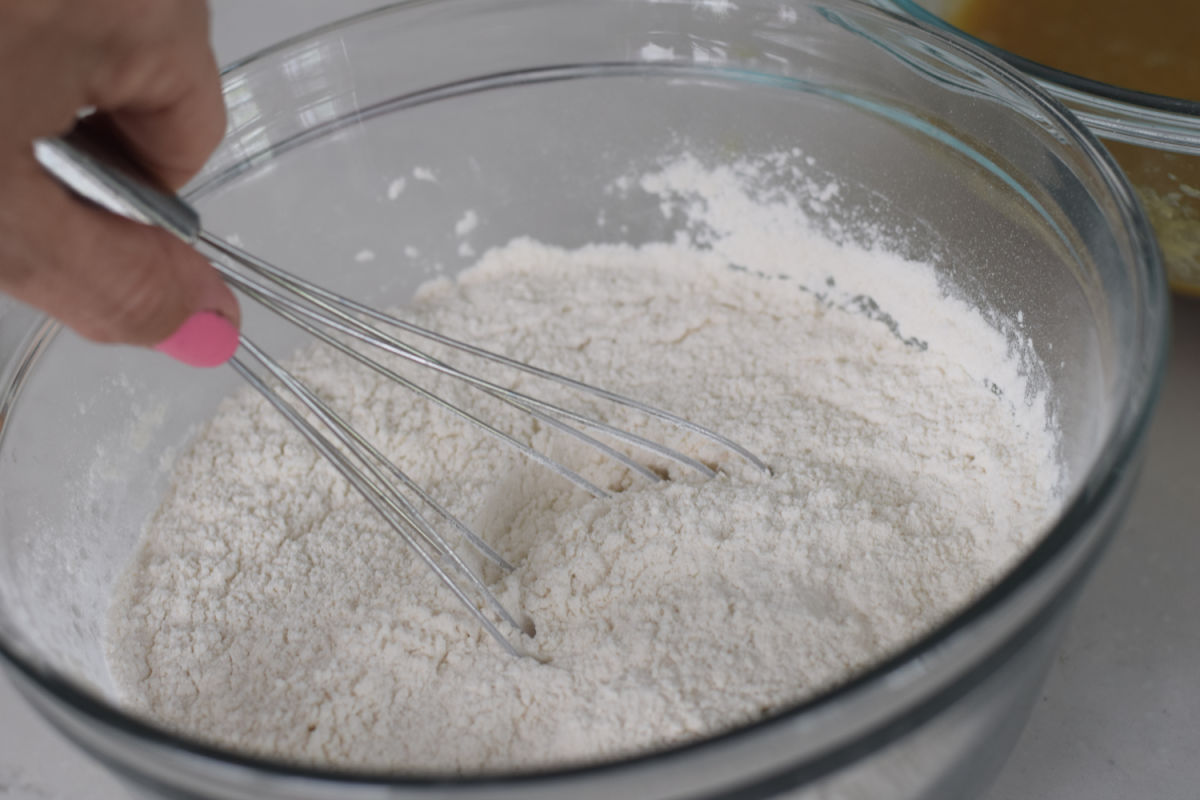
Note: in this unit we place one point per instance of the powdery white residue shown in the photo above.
(364, 256)
(467, 223)
(410, 251)
(466, 250)
(718, 7)
(270, 610)
(745, 230)
(424, 174)
(654, 52)
(708, 53)
(395, 189)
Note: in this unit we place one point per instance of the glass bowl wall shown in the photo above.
(526, 111)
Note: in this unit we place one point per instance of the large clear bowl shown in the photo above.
(526, 111)
(1155, 139)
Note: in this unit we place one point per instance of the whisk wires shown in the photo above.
(325, 315)
(96, 172)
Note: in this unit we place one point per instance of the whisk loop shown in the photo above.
(96, 175)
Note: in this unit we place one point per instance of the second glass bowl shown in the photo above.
(1155, 139)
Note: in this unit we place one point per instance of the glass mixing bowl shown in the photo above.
(526, 111)
(1155, 139)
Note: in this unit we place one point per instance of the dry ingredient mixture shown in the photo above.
(270, 610)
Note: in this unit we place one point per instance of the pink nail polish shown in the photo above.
(205, 339)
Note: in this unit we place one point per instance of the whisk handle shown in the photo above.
(97, 171)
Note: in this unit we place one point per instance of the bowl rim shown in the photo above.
(1104, 477)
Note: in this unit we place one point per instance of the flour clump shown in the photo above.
(270, 610)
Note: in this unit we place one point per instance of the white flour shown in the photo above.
(271, 611)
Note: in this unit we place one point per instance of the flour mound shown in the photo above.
(270, 610)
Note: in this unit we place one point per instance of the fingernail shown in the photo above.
(205, 339)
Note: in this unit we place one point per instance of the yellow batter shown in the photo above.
(1151, 46)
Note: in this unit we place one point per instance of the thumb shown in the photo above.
(111, 279)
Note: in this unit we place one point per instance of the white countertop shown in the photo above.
(1120, 715)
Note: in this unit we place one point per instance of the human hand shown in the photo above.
(148, 70)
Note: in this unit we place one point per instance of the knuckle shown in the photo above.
(134, 76)
(153, 22)
(147, 42)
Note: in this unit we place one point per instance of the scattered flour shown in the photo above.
(269, 610)
(466, 224)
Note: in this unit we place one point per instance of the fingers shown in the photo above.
(145, 64)
(147, 68)
(110, 279)
(160, 89)
(174, 141)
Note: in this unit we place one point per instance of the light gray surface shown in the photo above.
(1120, 715)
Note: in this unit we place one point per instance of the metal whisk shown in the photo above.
(94, 171)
